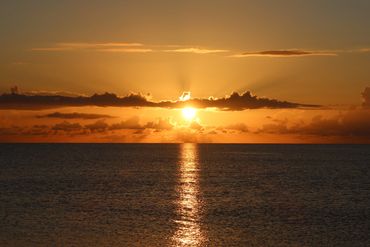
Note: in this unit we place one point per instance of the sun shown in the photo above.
(189, 113)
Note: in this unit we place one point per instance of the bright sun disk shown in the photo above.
(188, 113)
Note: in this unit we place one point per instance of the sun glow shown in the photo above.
(189, 113)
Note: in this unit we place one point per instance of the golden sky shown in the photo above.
(306, 64)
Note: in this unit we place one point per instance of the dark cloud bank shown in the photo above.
(352, 125)
(75, 128)
(74, 115)
(233, 102)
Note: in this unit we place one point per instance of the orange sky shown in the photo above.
(304, 52)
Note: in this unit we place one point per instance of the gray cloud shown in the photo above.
(160, 124)
(67, 126)
(351, 124)
(12, 130)
(131, 123)
(238, 102)
(74, 115)
(191, 135)
(35, 130)
(233, 102)
(231, 128)
(237, 126)
(285, 53)
(98, 126)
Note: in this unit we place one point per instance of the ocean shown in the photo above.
(184, 195)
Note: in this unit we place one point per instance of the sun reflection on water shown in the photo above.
(188, 231)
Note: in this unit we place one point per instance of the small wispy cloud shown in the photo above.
(80, 46)
(106, 44)
(126, 50)
(364, 50)
(74, 115)
(51, 49)
(124, 47)
(284, 53)
(196, 50)
(136, 47)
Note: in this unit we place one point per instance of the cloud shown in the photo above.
(123, 47)
(98, 126)
(15, 90)
(104, 44)
(231, 128)
(126, 50)
(67, 126)
(35, 130)
(136, 47)
(366, 97)
(233, 102)
(131, 123)
(12, 130)
(351, 124)
(365, 50)
(24, 101)
(185, 96)
(78, 46)
(241, 127)
(358, 50)
(74, 115)
(285, 53)
(196, 50)
(238, 102)
(191, 136)
(160, 124)
(196, 125)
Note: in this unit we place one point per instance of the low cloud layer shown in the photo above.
(75, 128)
(241, 127)
(344, 127)
(233, 102)
(350, 124)
(74, 115)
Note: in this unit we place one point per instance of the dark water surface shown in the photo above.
(184, 195)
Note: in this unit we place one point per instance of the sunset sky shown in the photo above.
(246, 71)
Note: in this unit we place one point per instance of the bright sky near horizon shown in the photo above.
(306, 52)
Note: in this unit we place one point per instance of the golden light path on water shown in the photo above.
(188, 231)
